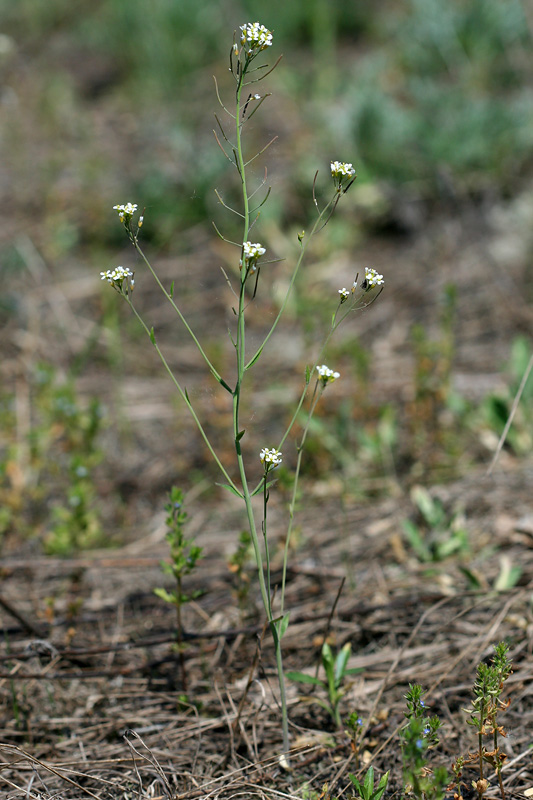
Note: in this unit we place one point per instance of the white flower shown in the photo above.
(372, 278)
(270, 458)
(117, 276)
(251, 250)
(344, 293)
(251, 253)
(255, 35)
(342, 170)
(327, 375)
(257, 97)
(125, 212)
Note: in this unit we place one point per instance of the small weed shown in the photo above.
(484, 711)
(238, 566)
(57, 439)
(184, 556)
(497, 407)
(418, 737)
(366, 790)
(421, 735)
(336, 671)
(441, 535)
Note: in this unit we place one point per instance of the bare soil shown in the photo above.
(93, 700)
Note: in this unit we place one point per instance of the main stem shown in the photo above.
(241, 363)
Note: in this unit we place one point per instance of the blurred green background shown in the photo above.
(109, 99)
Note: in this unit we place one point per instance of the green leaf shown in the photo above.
(473, 580)
(152, 335)
(171, 293)
(431, 509)
(382, 785)
(166, 596)
(232, 489)
(240, 435)
(359, 788)
(307, 375)
(415, 539)
(369, 782)
(283, 625)
(340, 662)
(509, 575)
(301, 677)
(327, 657)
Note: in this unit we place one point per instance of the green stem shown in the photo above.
(316, 397)
(241, 368)
(212, 369)
(267, 550)
(181, 655)
(316, 226)
(184, 397)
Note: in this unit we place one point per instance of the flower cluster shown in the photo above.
(125, 212)
(256, 36)
(342, 174)
(327, 375)
(117, 276)
(251, 253)
(342, 170)
(270, 458)
(372, 278)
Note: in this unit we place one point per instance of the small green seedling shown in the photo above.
(486, 705)
(366, 790)
(184, 557)
(440, 536)
(336, 672)
(418, 737)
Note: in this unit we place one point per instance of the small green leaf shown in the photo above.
(341, 661)
(369, 782)
(359, 788)
(152, 336)
(164, 595)
(307, 375)
(473, 580)
(382, 785)
(509, 575)
(327, 656)
(283, 625)
(301, 677)
(240, 435)
(171, 293)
